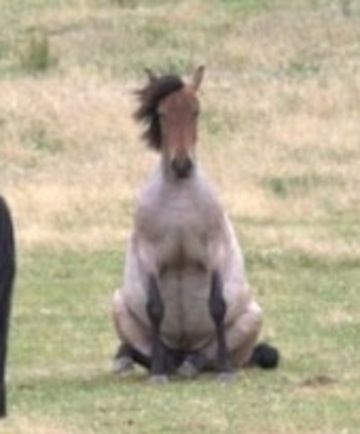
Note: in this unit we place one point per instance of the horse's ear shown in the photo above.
(150, 74)
(198, 77)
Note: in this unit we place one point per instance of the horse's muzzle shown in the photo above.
(182, 168)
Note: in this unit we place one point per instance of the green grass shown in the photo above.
(63, 341)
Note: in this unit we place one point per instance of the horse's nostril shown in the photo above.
(187, 165)
(182, 168)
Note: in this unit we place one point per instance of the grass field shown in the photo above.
(280, 136)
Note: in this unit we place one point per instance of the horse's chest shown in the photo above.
(184, 282)
(185, 293)
(181, 241)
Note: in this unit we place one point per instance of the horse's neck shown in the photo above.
(164, 190)
(164, 198)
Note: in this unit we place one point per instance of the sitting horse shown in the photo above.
(185, 304)
(7, 273)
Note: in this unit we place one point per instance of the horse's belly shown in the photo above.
(187, 323)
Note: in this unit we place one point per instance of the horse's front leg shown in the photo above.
(156, 310)
(217, 307)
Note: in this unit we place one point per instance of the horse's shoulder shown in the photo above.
(148, 196)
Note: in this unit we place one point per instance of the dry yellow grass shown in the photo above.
(282, 90)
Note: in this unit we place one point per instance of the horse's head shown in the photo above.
(170, 107)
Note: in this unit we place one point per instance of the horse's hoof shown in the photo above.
(226, 377)
(123, 365)
(158, 379)
(187, 370)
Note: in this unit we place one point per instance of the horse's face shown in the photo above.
(178, 115)
(170, 108)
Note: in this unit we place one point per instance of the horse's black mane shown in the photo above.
(150, 97)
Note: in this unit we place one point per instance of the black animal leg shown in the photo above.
(7, 274)
(156, 310)
(217, 307)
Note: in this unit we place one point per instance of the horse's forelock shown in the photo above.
(149, 98)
